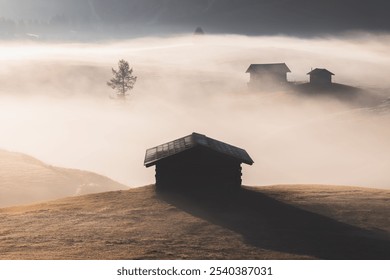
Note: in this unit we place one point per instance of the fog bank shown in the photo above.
(55, 105)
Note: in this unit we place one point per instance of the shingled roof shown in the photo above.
(320, 71)
(158, 153)
(273, 67)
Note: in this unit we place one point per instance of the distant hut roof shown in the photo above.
(272, 67)
(319, 71)
(199, 31)
(158, 153)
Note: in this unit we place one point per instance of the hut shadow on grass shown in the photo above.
(270, 224)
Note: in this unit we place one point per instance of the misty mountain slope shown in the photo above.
(140, 224)
(24, 179)
(225, 16)
(44, 9)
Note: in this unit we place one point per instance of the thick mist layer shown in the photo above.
(55, 105)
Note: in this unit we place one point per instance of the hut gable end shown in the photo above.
(320, 77)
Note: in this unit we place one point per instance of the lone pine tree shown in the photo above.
(123, 79)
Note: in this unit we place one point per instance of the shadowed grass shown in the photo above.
(143, 224)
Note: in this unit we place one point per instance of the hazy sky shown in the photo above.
(298, 17)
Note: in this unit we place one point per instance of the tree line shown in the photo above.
(10, 28)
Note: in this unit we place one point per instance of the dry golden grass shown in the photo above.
(134, 224)
(281, 222)
(362, 207)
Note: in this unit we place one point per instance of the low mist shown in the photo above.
(55, 105)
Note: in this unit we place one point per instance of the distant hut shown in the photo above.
(197, 163)
(268, 76)
(199, 31)
(320, 77)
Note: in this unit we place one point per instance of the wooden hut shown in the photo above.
(199, 31)
(268, 76)
(197, 163)
(320, 77)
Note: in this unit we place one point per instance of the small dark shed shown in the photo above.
(199, 31)
(268, 75)
(197, 162)
(320, 77)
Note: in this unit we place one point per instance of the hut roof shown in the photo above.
(199, 31)
(319, 71)
(273, 67)
(158, 153)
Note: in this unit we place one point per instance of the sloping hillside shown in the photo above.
(24, 179)
(361, 207)
(287, 222)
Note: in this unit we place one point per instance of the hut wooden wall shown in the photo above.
(198, 169)
(267, 80)
(321, 79)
